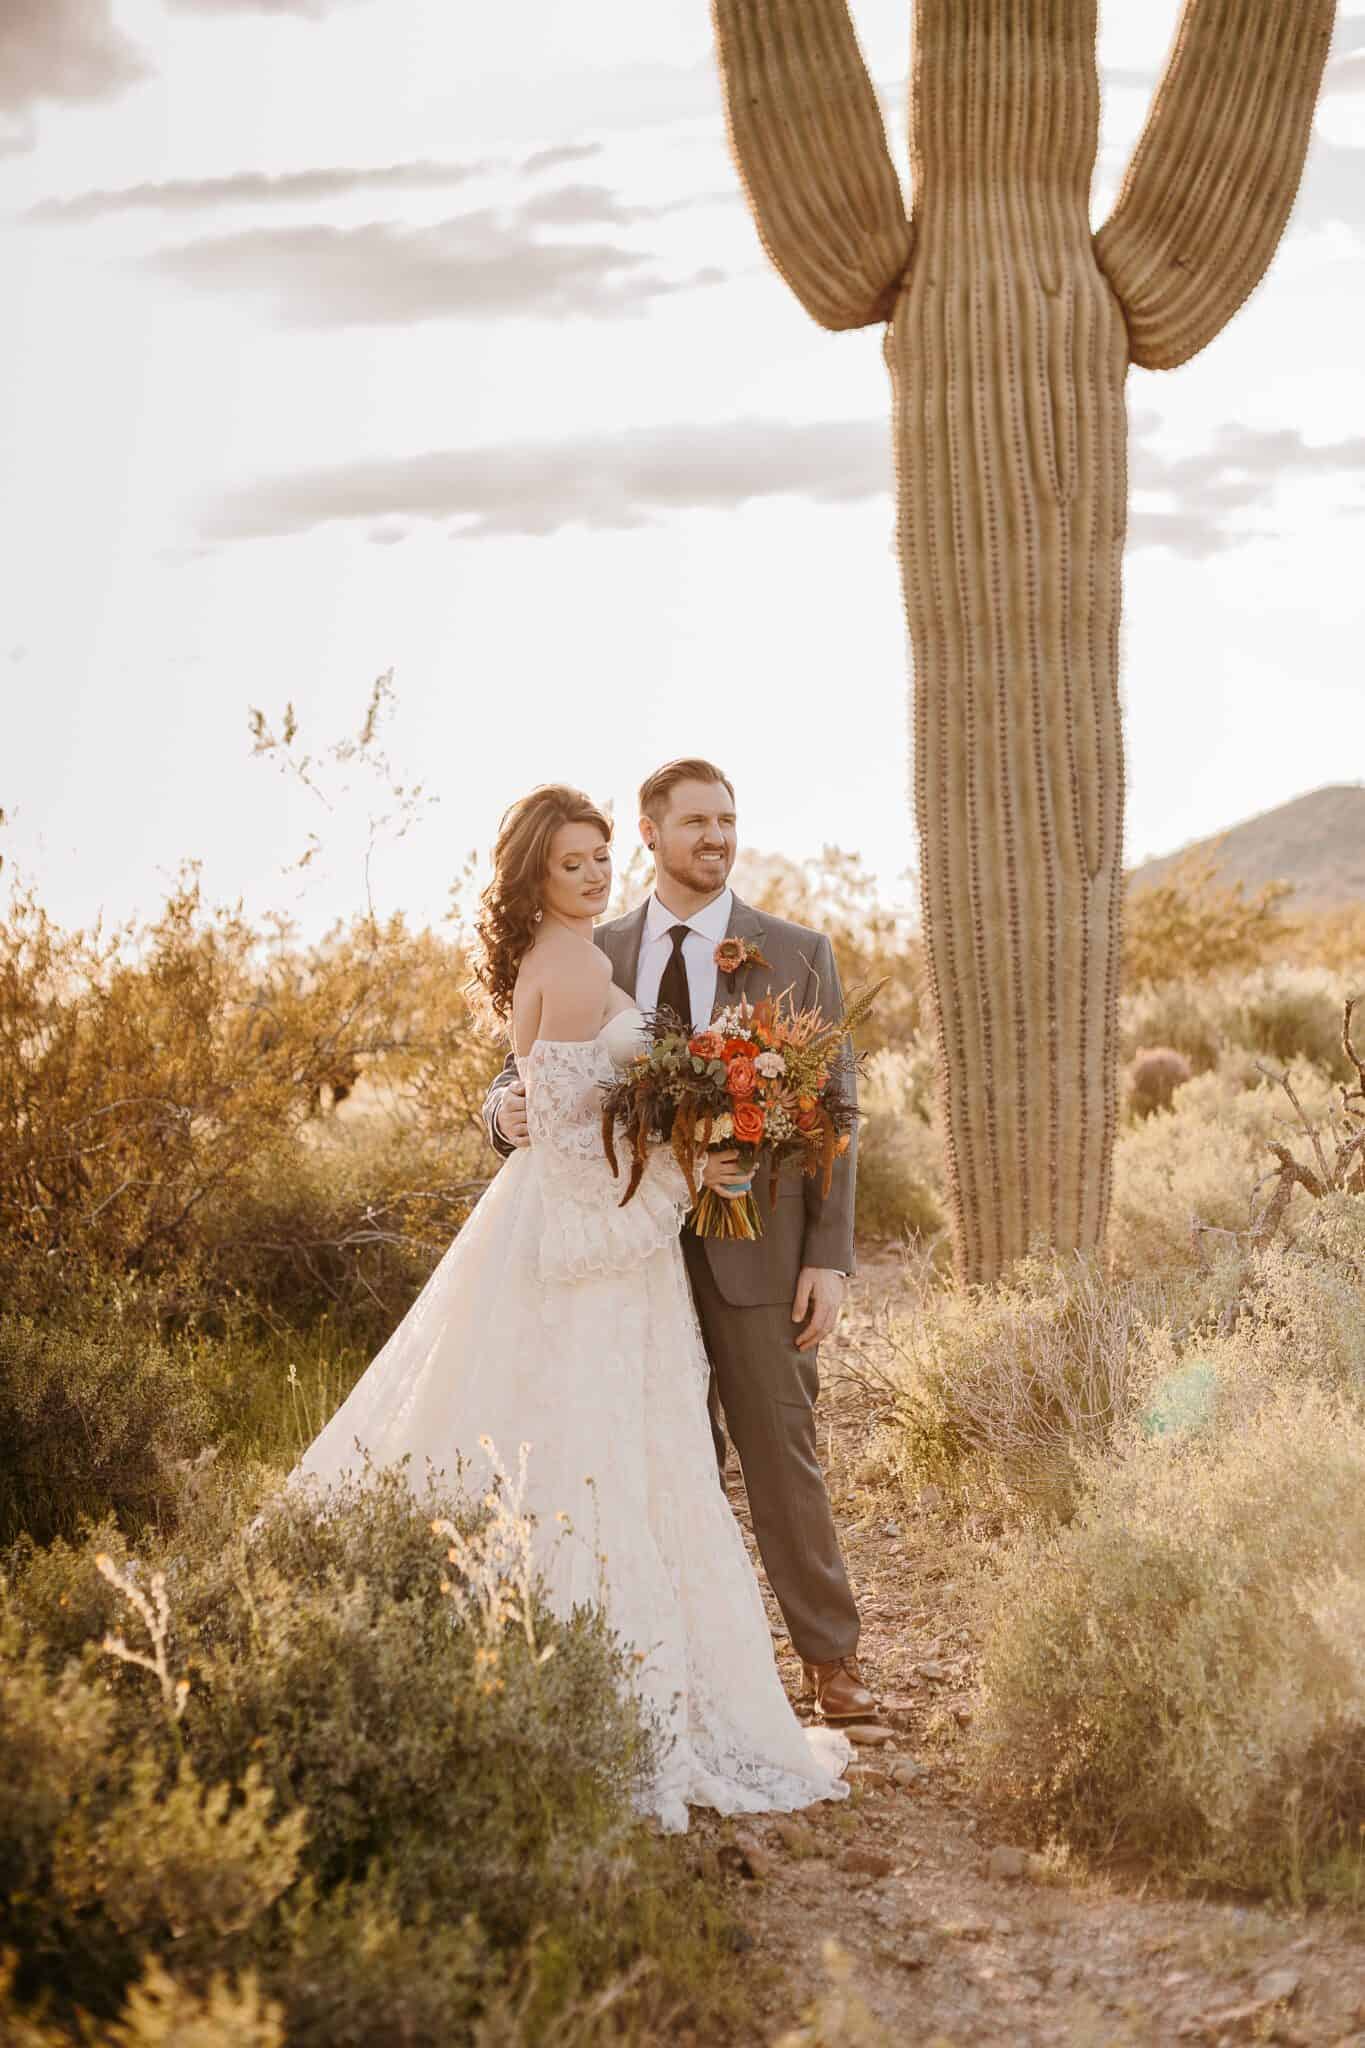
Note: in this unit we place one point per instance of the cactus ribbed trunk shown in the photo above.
(1008, 355)
(1009, 335)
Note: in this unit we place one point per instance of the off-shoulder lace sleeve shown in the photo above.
(586, 1230)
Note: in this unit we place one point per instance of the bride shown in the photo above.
(561, 1320)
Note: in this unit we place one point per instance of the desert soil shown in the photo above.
(946, 1932)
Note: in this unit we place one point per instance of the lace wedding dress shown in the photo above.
(559, 1319)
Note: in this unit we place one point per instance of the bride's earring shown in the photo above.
(538, 916)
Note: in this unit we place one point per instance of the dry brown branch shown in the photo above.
(1341, 1173)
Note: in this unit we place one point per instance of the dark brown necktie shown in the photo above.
(674, 993)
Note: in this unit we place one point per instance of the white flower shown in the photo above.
(771, 1065)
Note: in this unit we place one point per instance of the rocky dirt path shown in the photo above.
(946, 1935)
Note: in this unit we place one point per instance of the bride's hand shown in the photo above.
(724, 1175)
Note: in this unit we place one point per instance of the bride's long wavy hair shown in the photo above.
(506, 923)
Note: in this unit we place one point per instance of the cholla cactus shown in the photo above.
(1154, 1075)
(1010, 331)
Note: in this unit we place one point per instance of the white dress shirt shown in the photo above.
(705, 931)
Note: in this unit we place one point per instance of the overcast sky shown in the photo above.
(355, 334)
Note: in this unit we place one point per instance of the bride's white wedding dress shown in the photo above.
(559, 1319)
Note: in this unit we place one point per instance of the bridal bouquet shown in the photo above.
(757, 1079)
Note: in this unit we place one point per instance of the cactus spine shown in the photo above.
(1009, 332)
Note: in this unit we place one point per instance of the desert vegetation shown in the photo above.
(271, 1773)
(1169, 1446)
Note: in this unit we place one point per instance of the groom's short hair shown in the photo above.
(657, 788)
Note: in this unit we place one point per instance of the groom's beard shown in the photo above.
(705, 878)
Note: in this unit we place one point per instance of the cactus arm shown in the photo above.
(1207, 194)
(807, 136)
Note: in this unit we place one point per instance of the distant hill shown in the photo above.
(1317, 842)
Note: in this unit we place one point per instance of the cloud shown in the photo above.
(1210, 487)
(623, 480)
(480, 265)
(567, 206)
(596, 480)
(258, 188)
(560, 154)
(62, 50)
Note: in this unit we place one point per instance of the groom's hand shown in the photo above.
(724, 1175)
(509, 1117)
(819, 1296)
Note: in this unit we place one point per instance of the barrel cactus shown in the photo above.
(1009, 331)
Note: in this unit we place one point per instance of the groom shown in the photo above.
(763, 1306)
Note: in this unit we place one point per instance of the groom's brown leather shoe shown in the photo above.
(839, 1690)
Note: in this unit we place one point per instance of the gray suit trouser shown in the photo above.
(767, 1390)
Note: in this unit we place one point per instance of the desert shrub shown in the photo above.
(346, 1227)
(1288, 1311)
(145, 1075)
(1180, 1015)
(161, 2013)
(298, 1759)
(1278, 1013)
(1155, 1072)
(1001, 1391)
(1329, 938)
(900, 1173)
(1201, 1160)
(1191, 923)
(1288, 1013)
(1307, 1295)
(1179, 1672)
(94, 1416)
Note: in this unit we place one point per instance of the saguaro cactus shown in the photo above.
(1010, 330)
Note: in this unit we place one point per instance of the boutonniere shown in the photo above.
(734, 955)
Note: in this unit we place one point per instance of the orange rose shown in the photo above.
(740, 1048)
(707, 1045)
(741, 1078)
(807, 1113)
(749, 1123)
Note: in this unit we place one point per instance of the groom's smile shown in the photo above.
(691, 831)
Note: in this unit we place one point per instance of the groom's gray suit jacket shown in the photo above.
(802, 1228)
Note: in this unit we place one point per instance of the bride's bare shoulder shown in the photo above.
(569, 978)
(560, 959)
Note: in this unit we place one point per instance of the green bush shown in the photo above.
(1180, 1672)
(1000, 1392)
(93, 1417)
(1278, 1013)
(900, 1171)
(161, 2013)
(343, 1224)
(283, 1751)
(1200, 1161)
